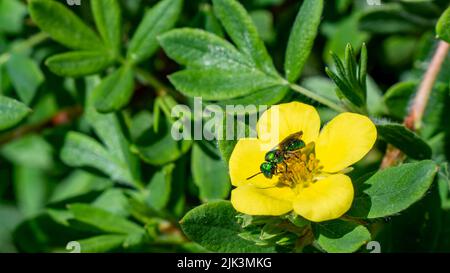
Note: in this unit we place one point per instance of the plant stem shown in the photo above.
(414, 119)
(28, 43)
(317, 98)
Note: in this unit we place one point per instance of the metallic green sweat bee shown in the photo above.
(277, 155)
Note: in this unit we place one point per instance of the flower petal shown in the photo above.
(255, 201)
(326, 199)
(284, 119)
(344, 141)
(247, 156)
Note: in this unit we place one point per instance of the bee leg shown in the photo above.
(292, 153)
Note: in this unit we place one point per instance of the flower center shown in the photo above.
(300, 168)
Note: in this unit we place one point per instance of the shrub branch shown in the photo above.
(414, 119)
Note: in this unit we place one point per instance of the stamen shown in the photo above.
(299, 168)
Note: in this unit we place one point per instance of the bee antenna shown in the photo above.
(254, 175)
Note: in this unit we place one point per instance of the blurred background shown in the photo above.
(45, 194)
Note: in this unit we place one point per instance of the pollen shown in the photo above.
(299, 168)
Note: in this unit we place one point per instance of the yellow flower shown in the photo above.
(314, 184)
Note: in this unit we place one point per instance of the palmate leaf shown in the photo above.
(216, 70)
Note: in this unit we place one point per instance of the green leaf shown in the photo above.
(45, 234)
(268, 97)
(82, 151)
(263, 20)
(103, 219)
(397, 98)
(63, 25)
(443, 26)
(102, 243)
(12, 13)
(424, 221)
(435, 120)
(302, 38)
(30, 190)
(32, 151)
(392, 19)
(107, 16)
(220, 84)
(160, 187)
(393, 190)
(25, 75)
(341, 33)
(322, 86)
(404, 139)
(115, 91)
(156, 148)
(210, 174)
(242, 30)
(211, 23)
(158, 20)
(216, 70)
(214, 226)
(340, 236)
(79, 63)
(113, 200)
(11, 112)
(78, 183)
(226, 145)
(109, 128)
(196, 48)
(11, 218)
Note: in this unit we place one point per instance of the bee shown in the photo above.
(278, 155)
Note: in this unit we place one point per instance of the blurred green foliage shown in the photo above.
(86, 152)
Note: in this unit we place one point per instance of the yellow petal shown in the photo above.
(255, 201)
(284, 119)
(344, 141)
(247, 156)
(326, 199)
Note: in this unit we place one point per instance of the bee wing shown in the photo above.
(297, 135)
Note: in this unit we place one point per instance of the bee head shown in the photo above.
(268, 169)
